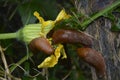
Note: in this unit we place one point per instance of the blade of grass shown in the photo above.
(85, 24)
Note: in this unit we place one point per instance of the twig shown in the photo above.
(5, 62)
(12, 77)
(2, 78)
(66, 76)
(12, 68)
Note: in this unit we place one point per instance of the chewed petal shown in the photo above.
(48, 62)
(52, 60)
(62, 15)
(37, 15)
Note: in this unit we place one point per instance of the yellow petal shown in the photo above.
(48, 62)
(63, 53)
(62, 15)
(52, 60)
(50, 40)
(47, 23)
(46, 27)
(57, 50)
(37, 15)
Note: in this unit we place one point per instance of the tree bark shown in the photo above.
(106, 42)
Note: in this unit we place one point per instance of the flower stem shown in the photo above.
(85, 24)
(8, 35)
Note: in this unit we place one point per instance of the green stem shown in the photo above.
(85, 24)
(8, 35)
(12, 68)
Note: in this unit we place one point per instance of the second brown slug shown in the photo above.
(71, 36)
(41, 44)
(93, 58)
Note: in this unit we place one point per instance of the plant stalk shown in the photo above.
(8, 35)
(85, 24)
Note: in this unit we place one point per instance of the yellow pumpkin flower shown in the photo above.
(46, 26)
(41, 29)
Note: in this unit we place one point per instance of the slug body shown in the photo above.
(41, 44)
(71, 36)
(93, 58)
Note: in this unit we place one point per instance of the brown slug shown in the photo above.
(41, 44)
(71, 36)
(93, 58)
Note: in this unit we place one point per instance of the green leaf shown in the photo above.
(116, 26)
(46, 8)
(109, 16)
(27, 68)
